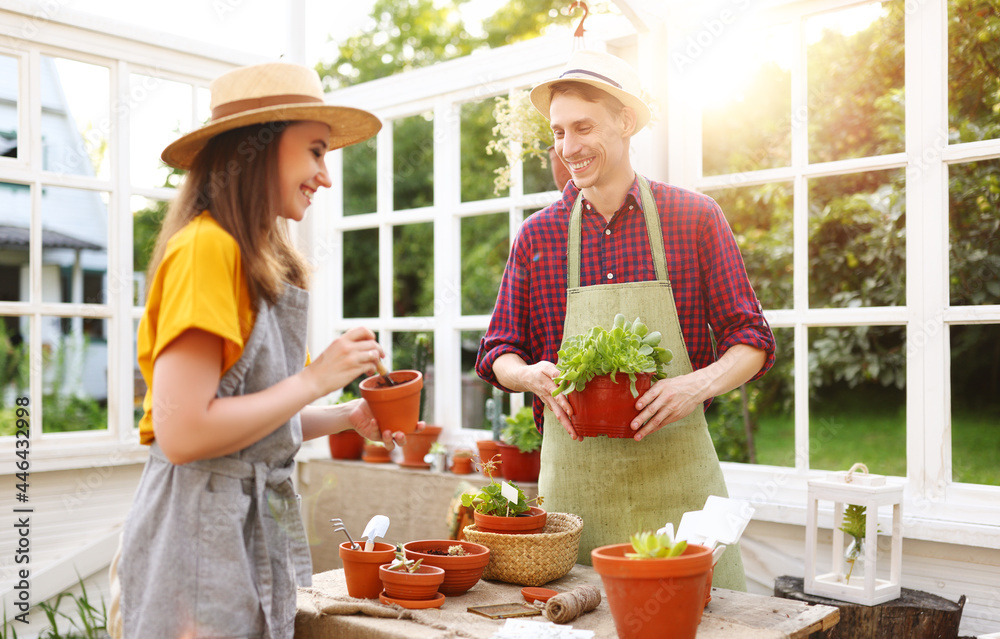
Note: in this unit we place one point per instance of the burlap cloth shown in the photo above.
(321, 610)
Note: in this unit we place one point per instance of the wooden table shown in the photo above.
(730, 614)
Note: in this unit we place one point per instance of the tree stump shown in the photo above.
(915, 614)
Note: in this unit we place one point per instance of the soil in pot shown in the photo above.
(420, 584)
(677, 585)
(461, 572)
(396, 407)
(518, 466)
(604, 407)
(346, 445)
(417, 445)
(526, 524)
(361, 568)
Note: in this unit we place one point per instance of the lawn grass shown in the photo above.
(845, 430)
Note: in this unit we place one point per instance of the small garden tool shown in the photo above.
(376, 528)
(338, 526)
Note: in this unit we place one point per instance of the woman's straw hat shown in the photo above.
(273, 92)
(603, 71)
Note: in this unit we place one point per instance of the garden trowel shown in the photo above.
(376, 527)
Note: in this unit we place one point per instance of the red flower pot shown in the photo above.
(604, 407)
(518, 466)
(396, 408)
(417, 445)
(527, 524)
(361, 568)
(461, 572)
(418, 585)
(346, 445)
(648, 595)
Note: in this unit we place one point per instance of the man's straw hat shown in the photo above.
(603, 71)
(273, 92)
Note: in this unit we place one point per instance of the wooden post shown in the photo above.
(915, 614)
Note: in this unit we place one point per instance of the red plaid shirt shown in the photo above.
(706, 270)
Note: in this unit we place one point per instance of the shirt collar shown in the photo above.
(632, 198)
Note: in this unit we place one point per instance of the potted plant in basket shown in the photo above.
(406, 580)
(493, 512)
(347, 444)
(593, 367)
(521, 133)
(520, 451)
(646, 569)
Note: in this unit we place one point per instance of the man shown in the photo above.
(692, 287)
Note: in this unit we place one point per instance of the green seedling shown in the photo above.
(648, 545)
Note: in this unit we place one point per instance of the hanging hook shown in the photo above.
(586, 12)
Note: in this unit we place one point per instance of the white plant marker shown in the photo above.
(508, 492)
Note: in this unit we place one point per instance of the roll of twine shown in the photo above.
(567, 606)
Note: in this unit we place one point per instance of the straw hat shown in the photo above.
(603, 71)
(273, 92)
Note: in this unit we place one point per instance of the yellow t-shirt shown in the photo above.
(199, 284)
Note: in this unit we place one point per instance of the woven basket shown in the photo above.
(531, 560)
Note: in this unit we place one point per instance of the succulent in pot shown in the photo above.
(592, 371)
(645, 568)
(407, 579)
(494, 512)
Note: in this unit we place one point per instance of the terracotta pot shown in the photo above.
(346, 445)
(419, 585)
(560, 174)
(708, 586)
(361, 568)
(527, 524)
(518, 466)
(648, 595)
(487, 449)
(460, 572)
(396, 408)
(461, 466)
(375, 454)
(417, 445)
(604, 407)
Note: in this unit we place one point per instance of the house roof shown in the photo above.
(16, 238)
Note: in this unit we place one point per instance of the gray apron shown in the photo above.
(621, 486)
(214, 548)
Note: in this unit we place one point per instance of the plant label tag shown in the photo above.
(508, 492)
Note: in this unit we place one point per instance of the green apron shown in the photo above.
(621, 486)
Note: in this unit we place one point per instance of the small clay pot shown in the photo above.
(396, 407)
(361, 568)
(461, 466)
(461, 572)
(417, 445)
(518, 466)
(421, 584)
(346, 445)
(527, 524)
(487, 450)
(375, 454)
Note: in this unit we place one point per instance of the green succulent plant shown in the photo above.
(648, 545)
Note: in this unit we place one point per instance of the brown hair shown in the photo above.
(235, 177)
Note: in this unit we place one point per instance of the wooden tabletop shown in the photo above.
(325, 610)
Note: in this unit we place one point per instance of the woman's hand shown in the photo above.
(362, 420)
(352, 354)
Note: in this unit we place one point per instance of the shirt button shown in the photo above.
(607, 231)
(630, 207)
(610, 276)
(588, 206)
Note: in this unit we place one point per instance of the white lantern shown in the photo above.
(859, 490)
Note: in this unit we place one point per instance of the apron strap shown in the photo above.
(654, 233)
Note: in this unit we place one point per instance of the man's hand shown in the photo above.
(667, 401)
(518, 376)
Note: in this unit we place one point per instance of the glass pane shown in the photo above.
(537, 178)
(478, 167)
(76, 117)
(415, 351)
(14, 369)
(747, 104)
(475, 391)
(413, 162)
(857, 240)
(855, 78)
(74, 374)
(756, 423)
(147, 216)
(857, 398)
(413, 262)
(359, 177)
(160, 111)
(138, 383)
(74, 243)
(975, 403)
(973, 81)
(761, 218)
(974, 241)
(485, 246)
(15, 222)
(9, 84)
(361, 273)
